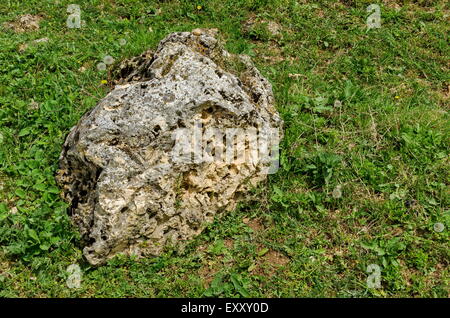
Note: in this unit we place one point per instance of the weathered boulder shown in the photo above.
(160, 156)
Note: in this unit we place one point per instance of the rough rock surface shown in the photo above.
(117, 169)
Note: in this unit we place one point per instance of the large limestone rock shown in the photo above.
(133, 169)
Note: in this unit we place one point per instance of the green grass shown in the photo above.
(386, 145)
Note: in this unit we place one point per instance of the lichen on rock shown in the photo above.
(128, 169)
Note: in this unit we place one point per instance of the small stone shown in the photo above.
(337, 103)
(24, 23)
(337, 192)
(23, 47)
(274, 28)
(295, 75)
(33, 105)
(42, 40)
